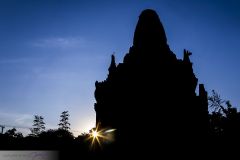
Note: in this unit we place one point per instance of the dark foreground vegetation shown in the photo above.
(223, 133)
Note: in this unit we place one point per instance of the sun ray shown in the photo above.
(98, 136)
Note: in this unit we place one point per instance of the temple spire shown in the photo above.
(149, 31)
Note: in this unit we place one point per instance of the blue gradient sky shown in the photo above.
(53, 51)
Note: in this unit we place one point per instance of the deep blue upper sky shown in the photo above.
(53, 51)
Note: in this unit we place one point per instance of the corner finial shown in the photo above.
(186, 55)
(112, 66)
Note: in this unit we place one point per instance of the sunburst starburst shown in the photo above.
(97, 136)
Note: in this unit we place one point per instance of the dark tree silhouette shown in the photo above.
(216, 102)
(224, 121)
(13, 133)
(56, 133)
(38, 125)
(64, 123)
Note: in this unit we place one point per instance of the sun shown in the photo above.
(97, 136)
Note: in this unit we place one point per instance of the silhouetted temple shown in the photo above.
(152, 93)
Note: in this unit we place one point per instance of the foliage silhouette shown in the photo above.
(64, 124)
(225, 119)
(13, 133)
(38, 125)
(216, 102)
